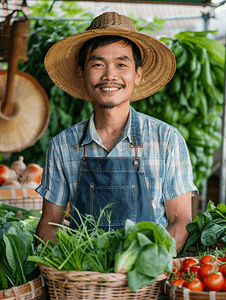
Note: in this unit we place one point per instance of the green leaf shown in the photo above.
(211, 235)
(143, 240)
(102, 242)
(210, 206)
(204, 219)
(16, 253)
(152, 261)
(3, 280)
(213, 47)
(221, 207)
(136, 280)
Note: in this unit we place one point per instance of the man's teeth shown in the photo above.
(109, 89)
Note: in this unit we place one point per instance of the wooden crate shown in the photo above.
(21, 197)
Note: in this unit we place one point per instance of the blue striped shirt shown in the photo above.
(166, 162)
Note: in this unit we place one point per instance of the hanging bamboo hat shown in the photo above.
(24, 105)
(158, 61)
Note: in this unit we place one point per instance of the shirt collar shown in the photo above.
(91, 133)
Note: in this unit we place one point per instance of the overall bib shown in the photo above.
(105, 180)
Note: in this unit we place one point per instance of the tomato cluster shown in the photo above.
(205, 274)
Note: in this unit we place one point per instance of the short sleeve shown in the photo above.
(54, 186)
(178, 179)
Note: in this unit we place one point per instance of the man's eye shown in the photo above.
(97, 65)
(121, 65)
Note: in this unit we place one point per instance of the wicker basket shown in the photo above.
(175, 293)
(34, 289)
(22, 197)
(94, 285)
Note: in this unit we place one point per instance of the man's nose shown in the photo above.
(109, 73)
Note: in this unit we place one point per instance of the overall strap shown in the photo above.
(135, 127)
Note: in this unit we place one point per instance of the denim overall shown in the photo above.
(105, 180)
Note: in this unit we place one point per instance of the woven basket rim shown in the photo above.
(39, 282)
(195, 293)
(73, 273)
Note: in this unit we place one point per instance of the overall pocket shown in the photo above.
(123, 200)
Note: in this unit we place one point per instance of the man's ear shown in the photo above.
(80, 74)
(138, 75)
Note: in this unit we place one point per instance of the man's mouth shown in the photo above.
(109, 89)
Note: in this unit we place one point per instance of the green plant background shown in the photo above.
(191, 102)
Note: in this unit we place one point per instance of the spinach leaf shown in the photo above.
(3, 280)
(221, 208)
(16, 252)
(210, 206)
(211, 235)
(204, 219)
(192, 227)
(213, 222)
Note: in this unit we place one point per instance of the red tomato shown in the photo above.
(220, 259)
(207, 258)
(213, 282)
(177, 274)
(195, 285)
(187, 263)
(195, 269)
(206, 270)
(180, 282)
(222, 269)
(176, 265)
(224, 285)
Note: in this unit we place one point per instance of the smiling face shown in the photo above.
(109, 74)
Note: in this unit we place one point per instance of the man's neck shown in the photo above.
(110, 123)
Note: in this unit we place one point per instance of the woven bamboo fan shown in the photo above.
(32, 116)
(24, 105)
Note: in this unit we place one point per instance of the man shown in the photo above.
(139, 164)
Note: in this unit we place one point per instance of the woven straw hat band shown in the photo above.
(112, 20)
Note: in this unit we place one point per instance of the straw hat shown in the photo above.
(158, 67)
(28, 124)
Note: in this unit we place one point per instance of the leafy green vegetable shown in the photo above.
(196, 91)
(14, 268)
(125, 259)
(18, 229)
(143, 250)
(208, 228)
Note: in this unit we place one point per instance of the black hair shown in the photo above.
(105, 40)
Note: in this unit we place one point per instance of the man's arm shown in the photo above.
(178, 212)
(50, 213)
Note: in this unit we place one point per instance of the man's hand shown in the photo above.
(50, 213)
(178, 212)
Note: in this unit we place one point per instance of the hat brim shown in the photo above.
(158, 66)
